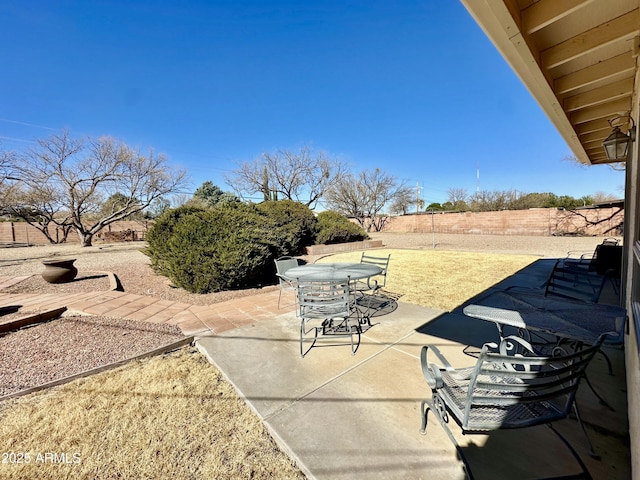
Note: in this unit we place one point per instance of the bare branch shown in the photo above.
(67, 181)
(302, 176)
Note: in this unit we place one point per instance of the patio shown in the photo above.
(343, 416)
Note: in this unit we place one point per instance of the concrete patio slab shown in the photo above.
(352, 417)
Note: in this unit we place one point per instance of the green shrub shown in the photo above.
(218, 249)
(161, 231)
(291, 226)
(336, 228)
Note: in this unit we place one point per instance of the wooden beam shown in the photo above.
(592, 137)
(620, 64)
(606, 93)
(593, 126)
(619, 28)
(545, 12)
(606, 110)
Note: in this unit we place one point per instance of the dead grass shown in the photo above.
(166, 417)
(441, 279)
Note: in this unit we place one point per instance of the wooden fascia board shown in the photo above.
(545, 12)
(624, 26)
(606, 93)
(491, 15)
(600, 71)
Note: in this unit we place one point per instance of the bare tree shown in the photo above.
(302, 176)
(403, 202)
(602, 197)
(40, 207)
(457, 195)
(365, 196)
(74, 178)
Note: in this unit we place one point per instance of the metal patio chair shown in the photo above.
(325, 308)
(369, 288)
(286, 284)
(505, 391)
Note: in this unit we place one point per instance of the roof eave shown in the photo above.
(495, 20)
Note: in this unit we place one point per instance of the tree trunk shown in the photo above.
(85, 238)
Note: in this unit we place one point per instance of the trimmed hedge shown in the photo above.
(336, 228)
(291, 226)
(218, 249)
(233, 245)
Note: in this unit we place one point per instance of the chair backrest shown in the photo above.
(607, 259)
(323, 300)
(282, 265)
(515, 391)
(382, 262)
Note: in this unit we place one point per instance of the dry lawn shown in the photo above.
(166, 417)
(441, 279)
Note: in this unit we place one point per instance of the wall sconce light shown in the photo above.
(617, 144)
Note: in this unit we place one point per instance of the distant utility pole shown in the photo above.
(478, 177)
(418, 188)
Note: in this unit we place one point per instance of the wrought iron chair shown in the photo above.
(505, 391)
(286, 284)
(325, 308)
(369, 288)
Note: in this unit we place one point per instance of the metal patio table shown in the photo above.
(337, 272)
(579, 321)
(333, 272)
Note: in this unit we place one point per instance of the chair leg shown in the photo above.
(592, 452)
(366, 317)
(585, 473)
(279, 296)
(434, 405)
(303, 332)
(425, 406)
(355, 347)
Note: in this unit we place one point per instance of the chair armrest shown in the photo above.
(505, 347)
(431, 371)
(372, 284)
(283, 277)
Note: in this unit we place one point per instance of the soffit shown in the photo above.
(577, 57)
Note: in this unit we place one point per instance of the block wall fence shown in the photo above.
(538, 221)
(23, 233)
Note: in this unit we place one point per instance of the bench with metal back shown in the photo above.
(503, 391)
(569, 280)
(584, 278)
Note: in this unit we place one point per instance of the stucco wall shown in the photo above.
(537, 221)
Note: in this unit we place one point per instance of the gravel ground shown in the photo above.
(67, 346)
(550, 247)
(62, 347)
(126, 260)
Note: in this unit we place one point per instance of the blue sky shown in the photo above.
(414, 88)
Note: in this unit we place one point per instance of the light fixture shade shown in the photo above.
(616, 145)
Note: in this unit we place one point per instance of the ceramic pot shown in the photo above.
(59, 271)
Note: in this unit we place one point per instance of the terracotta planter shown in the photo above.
(59, 271)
